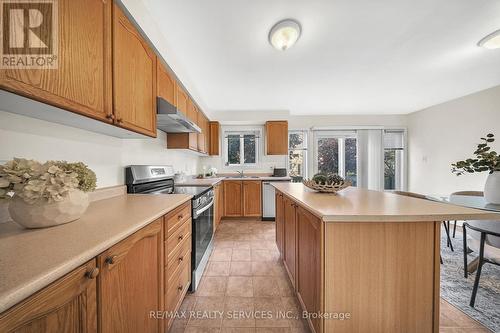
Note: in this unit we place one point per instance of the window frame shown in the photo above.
(257, 131)
(341, 136)
(305, 150)
(403, 165)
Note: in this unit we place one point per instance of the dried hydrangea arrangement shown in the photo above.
(51, 181)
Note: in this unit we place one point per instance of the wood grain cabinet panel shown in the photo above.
(279, 218)
(68, 305)
(214, 133)
(134, 77)
(277, 137)
(130, 282)
(309, 263)
(82, 83)
(233, 190)
(182, 102)
(166, 84)
(193, 137)
(203, 136)
(252, 198)
(290, 237)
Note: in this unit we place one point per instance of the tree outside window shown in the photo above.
(297, 155)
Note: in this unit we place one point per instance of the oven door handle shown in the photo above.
(198, 212)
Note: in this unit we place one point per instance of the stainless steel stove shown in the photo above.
(148, 179)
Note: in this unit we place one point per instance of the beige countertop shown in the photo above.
(359, 205)
(211, 181)
(31, 259)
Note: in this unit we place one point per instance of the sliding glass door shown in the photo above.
(336, 152)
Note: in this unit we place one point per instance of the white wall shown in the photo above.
(31, 138)
(445, 133)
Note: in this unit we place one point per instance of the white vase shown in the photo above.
(492, 188)
(43, 214)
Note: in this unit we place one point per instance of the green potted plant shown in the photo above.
(45, 194)
(485, 159)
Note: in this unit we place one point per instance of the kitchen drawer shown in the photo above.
(177, 237)
(178, 252)
(176, 217)
(177, 264)
(179, 286)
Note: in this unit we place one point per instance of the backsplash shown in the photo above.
(41, 140)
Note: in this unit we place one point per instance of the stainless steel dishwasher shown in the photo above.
(268, 200)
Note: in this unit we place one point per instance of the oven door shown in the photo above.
(203, 229)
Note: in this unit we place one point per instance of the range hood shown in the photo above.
(170, 120)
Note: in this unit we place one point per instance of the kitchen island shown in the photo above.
(364, 261)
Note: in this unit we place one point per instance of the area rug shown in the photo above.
(457, 290)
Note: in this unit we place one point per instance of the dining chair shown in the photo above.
(483, 237)
(469, 193)
(445, 224)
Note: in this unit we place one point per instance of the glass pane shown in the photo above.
(249, 148)
(328, 155)
(296, 140)
(351, 171)
(392, 172)
(233, 149)
(296, 158)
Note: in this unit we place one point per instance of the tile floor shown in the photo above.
(244, 276)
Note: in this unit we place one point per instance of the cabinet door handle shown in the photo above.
(181, 237)
(111, 260)
(119, 120)
(92, 274)
(180, 216)
(110, 116)
(179, 287)
(181, 259)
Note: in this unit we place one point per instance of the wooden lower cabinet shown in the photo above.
(308, 282)
(290, 237)
(233, 190)
(252, 198)
(279, 223)
(383, 277)
(242, 198)
(68, 305)
(130, 282)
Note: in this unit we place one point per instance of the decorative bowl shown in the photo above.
(326, 188)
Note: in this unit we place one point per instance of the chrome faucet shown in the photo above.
(240, 173)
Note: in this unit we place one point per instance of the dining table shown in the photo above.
(470, 201)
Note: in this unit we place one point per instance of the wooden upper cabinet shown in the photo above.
(279, 222)
(191, 110)
(130, 282)
(203, 135)
(252, 198)
(183, 102)
(134, 77)
(67, 305)
(309, 263)
(277, 137)
(233, 198)
(213, 142)
(82, 82)
(193, 137)
(166, 84)
(290, 240)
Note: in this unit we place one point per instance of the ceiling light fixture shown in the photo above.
(285, 34)
(492, 41)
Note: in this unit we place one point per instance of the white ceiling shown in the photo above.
(354, 56)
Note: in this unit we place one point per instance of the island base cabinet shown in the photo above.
(68, 305)
(290, 237)
(385, 275)
(130, 283)
(309, 261)
(279, 222)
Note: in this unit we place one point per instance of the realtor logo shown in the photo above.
(28, 34)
